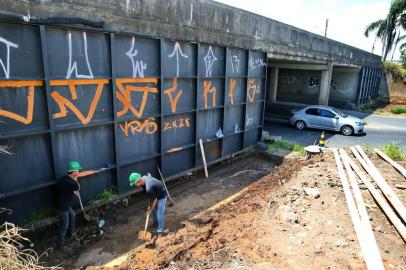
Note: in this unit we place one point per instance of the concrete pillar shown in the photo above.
(325, 82)
(273, 84)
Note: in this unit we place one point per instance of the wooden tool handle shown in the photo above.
(146, 223)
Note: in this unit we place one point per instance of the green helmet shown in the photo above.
(74, 166)
(134, 177)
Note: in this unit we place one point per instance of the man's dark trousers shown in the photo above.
(66, 224)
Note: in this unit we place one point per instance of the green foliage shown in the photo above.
(37, 217)
(284, 145)
(368, 149)
(397, 71)
(398, 110)
(394, 151)
(105, 196)
(403, 55)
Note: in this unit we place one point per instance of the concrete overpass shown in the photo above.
(302, 67)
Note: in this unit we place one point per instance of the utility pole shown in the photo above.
(325, 30)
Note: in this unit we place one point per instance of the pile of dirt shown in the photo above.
(197, 242)
(278, 223)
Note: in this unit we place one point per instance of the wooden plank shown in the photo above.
(359, 230)
(387, 209)
(362, 210)
(380, 181)
(391, 162)
(206, 173)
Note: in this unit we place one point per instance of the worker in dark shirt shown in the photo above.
(66, 187)
(156, 193)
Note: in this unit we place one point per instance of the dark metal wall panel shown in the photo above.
(117, 103)
(236, 62)
(178, 161)
(370, 79)
(210, 93)
(212, 151)
(20, 52)
(253, 117)
(77, 54)
(91, 147)
(235, 91)
(257, 64)
(210, 122)
(179, 95)
(138, 139)
(29, 165)
(211, 59)
(252, 136)
(233, 143)
(179, 59)
(136, 57)
(80, 104)
(178, 131)
(22, 107)
(234, 122)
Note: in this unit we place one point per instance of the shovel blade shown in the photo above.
(144, 235)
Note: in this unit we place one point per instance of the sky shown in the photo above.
(347, 19)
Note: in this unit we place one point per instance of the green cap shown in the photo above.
(74, 166)
(134, 177)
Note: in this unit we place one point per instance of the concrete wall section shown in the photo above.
(203, 21)
(299, 86)
(344, 89)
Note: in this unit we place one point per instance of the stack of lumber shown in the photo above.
(388, 202)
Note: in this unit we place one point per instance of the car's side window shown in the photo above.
(326, 113)
(312, 111)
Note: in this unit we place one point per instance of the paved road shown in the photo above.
(378, 131)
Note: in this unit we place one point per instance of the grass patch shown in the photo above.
(394, 151)
(37, 217)
(398, 110)
(105, 196)
(284, 145)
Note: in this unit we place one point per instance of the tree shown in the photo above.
(387, 29)
(403, 54)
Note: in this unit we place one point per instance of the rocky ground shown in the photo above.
(275, 224)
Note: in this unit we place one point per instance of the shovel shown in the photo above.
(85, 216)
(167, 192)
(144, 235)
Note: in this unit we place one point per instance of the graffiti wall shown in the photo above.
(300, 86)
(344, 89)
(117, 103)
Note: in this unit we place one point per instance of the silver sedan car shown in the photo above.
(326, 118)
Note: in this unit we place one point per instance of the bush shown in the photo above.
(397, 71)
(398, 110)
(394, 151)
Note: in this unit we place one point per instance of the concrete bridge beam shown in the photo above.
(325, 82)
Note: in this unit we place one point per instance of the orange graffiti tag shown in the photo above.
(125, 94)
(252, 90)
(177, 123)
(173, 101)
(231, 92)
(65, 103)
(30, 100)
(135, 126)
(207, 88)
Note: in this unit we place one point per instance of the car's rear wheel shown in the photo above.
(300, 124)
(347, 130)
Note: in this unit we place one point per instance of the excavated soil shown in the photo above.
(251, 215)
(272, 224)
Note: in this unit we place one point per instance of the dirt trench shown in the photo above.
(125, 218)
(213, 229)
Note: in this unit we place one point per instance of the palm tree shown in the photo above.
(387, 29)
